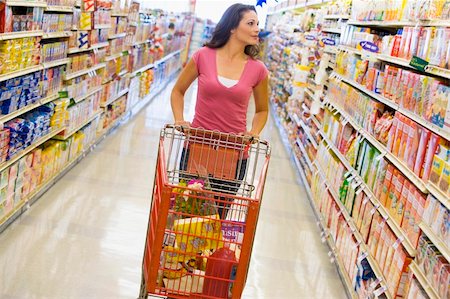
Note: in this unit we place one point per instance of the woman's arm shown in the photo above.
(261, 94)
(187, 76)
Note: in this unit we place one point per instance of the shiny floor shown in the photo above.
(84, 238)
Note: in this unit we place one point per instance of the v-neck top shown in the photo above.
(219, 107)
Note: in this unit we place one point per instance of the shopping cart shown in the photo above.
(206, 197)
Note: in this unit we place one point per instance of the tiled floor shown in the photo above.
(85, 237)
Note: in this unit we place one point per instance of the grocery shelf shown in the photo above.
(399, 24)
(88, 94)
(68, 134)
(122, 73)
(119, 35)
(59, 8)
(316, 122)
(305, 154)
(48, 65)
(114, 98)
(393, 24)
(308, 133)
(26, 3)
(12, 115)
(438, 71)
(330, 49)
(330, 242)
(432, 127)
(299, 6)
(332, 30)
(429, 289)
(429, 69)
(143, 69)
(96, 46)
(113, 57)
(83, 72)
(440, 245)
(102, 26)
(56, 34)
(336, 17)
(22, 72)
(168, 56)
(28, 149)
(418, 182)
(439, 195)
(395, 227)
(141, 42)
(119, 14)
(20, 34)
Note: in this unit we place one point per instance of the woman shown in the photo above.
(228, 73)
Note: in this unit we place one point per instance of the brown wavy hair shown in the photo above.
(230, 20)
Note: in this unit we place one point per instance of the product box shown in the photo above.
(433, 145)
(197, 234)
(441, 157)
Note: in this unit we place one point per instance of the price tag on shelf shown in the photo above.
(379, 291)
(373, 211)
(374, 284)
(397, 243)
(356, 183)
(382, 224)
(359, 191)
(362, 256)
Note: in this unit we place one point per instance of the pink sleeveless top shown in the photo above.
(219, 107)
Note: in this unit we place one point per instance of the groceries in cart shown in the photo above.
(205, 206)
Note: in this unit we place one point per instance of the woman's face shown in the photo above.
(248, 29)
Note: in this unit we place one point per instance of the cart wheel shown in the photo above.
(143, 291)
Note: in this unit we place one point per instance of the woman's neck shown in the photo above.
(232, 51)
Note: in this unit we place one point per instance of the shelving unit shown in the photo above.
(286, 49)
(22, 204)
(431, 292)
(114, 98)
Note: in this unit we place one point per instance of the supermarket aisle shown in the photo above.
(84, 238)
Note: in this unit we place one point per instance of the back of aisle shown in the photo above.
(70, 72)
(360, 91)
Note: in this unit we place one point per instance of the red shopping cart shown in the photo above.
(207, 193)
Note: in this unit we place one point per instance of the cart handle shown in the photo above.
(214, 134)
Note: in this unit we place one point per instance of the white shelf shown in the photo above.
(56, 34)
(79, 127)
(59, 8)
(398, 24)
(84, 72)
(143, 69)
(332, 30)
(308, 133)
(141, 42)
(398, 231)
(439, 195)
(115, 98)
(88, 94)
(336, 17)
(429, 289)
(432, 127)
(119, 35)
(113, 57)
(305, 154)
(440, 245)
(48, 65)
(382, 149)
(363, 247)
(20, 34)
(26, 3)
(316, 122)
(430, 69)
(25, 71)
(12, 115)
(119, 14)
(102, 26)
(300, 6)
(96, 46)
(25, 151)
(395, 24)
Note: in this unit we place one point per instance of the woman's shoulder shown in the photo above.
(257, 63)
(203, 50)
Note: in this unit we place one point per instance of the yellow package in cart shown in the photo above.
(198, 234)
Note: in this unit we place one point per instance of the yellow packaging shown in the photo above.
(436, 170)
(197, 234)
(444, 182)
